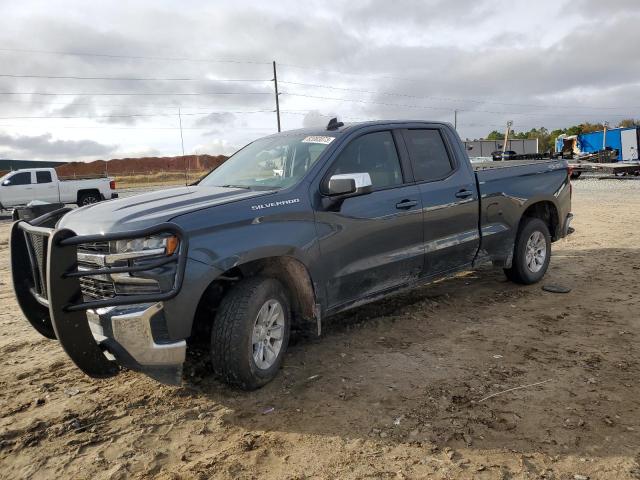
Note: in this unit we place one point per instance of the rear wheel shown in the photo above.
(87, 198)
(532, 252)
(250, 333)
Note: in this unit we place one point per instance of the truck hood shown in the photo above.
(147, 209)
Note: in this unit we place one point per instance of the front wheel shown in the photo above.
(250, 333)
(532, 252)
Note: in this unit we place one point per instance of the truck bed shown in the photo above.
(82, 177)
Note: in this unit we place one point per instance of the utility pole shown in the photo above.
(181, 137)
(275, 83)
(186, 175)
(455, 119)
(506, 136)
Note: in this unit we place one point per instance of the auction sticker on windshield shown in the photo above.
(318, 139)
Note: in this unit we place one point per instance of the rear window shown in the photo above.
(43, 177)
(428, 154)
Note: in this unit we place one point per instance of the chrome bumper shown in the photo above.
(127, 334)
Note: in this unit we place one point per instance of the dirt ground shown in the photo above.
(397, 389)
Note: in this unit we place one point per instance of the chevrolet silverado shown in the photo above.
(291, 229)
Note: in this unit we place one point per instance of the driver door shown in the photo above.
(371, 242)
(18, 188)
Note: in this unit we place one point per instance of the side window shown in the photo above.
(375, 154)
(428, 154)
(43, 177)
(23, 178)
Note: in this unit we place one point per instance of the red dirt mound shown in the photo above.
(131, 166)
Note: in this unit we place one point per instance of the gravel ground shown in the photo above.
(470, 378)
(594, 183)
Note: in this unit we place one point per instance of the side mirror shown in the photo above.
(349, 184)
(341, 186)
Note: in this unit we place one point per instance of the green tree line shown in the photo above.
(546, 138)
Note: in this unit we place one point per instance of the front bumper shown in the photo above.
(135, 336)
(46, 279)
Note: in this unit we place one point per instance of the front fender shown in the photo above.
(225, 237)
(180, 310)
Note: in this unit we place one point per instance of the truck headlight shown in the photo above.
(168, 245)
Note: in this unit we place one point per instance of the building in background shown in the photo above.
(484, 148)
(624, 140)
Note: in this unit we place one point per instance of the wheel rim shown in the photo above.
(89, 200)
(536, 252)
(268, 334)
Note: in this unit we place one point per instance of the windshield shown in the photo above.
(269, 163)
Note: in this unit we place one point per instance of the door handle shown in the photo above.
(406, 204)
(464, 194)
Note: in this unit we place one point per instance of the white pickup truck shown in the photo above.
(20, 187)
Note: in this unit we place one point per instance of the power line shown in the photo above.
(109, 127)
(132, 115)
(366, 101)
(305, 112)
(372, 92)
(448, 99)
(143, 79)
(132, 57)
(360, 119)
(114, 94)
(339, 72)
(448, 109)
(106, 105)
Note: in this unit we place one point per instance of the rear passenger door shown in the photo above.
(449, 200)
(45, 189)
(372, 242)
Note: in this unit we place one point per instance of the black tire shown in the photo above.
(520, 272)
(87, 198)
(575, 175)
(232, 350)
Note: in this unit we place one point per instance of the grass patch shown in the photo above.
(157, 178)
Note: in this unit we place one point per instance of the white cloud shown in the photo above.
(215, 147)
(554, 63)
(30, 147)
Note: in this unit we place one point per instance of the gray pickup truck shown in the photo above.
(293, 228)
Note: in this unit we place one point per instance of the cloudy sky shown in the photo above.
(87, 80)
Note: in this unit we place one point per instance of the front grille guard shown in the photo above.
(52, 299)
